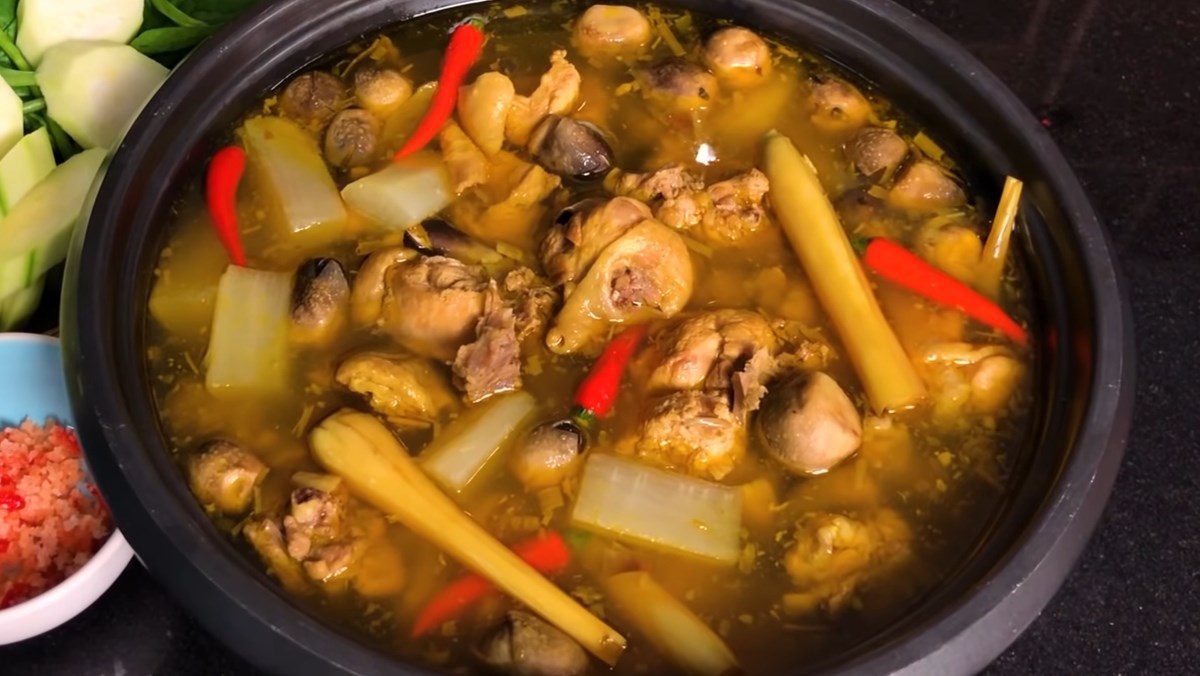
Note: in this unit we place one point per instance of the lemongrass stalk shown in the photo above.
(824, 250)
(378, 469)
(995, 251)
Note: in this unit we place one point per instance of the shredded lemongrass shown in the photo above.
(665, 32)
(928, 146)
(698, 246)
(305, 417)
(995, 251)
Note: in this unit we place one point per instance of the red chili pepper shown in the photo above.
(596, 393)
(224, 174)
(11, 500)
(900, 266)
(466, 43)
(546, 553)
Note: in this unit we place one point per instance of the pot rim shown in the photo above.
(961, 636)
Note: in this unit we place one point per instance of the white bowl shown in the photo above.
(68, 598)
(34, 387)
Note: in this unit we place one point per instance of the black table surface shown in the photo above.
(1116, 82)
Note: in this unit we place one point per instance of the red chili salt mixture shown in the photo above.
(52, 519)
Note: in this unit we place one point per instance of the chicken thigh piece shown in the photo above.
(644, 274)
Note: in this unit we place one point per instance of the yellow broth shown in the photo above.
(945, 484)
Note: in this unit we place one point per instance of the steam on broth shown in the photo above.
(763, 493)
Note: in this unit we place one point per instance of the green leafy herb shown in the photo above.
(176, 15)
(170, 39)
(18, 78)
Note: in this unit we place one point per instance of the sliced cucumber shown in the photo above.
(17, 308)
(34, 235)
(94, 90)
(12, 118)
(46, 23)
(24, 166)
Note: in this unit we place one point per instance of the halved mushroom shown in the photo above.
(320, 301)
(925, 186)
(381, 90)
(808, 423)
(837, 106)
(570, 148)
(678, 86)
(611, 32)
(526, 645)
(223, 476)
(876, 151)
(739, 58)
(549, 454)
(312, 98)
(352, 139)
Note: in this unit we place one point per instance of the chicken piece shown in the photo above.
(266, 538)
(995, 380)
(556, 94)
(738, 210)
(808, 423)
(738, 57)
(644, 274)
(511, 206)
(956, 249)
(223, 476)
(705, 351)
(532, 301)
(876, 152)
(694, 432)
(408, 391)
(607, 32)
(835, 558)
(583, 231)
(466, 163)
(968, 379)
(381, 90)
(312, 99)
(721, 214)
(678, 86)
(837, 107)
(526, 645)
(491, 364)
(925, 186)
(371, 284)
(316, 532)
(352, 139)
(431, 305)
(657, 187)
(483, 110)
(380, 571)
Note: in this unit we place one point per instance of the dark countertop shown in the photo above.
(1117, 82)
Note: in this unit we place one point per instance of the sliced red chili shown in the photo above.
(466, 44)
(224, 175)
(596, 393)
(902, 267)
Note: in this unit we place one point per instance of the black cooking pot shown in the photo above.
(1085, 373)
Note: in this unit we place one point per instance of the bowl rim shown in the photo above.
(70, 597)
(963, 635)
